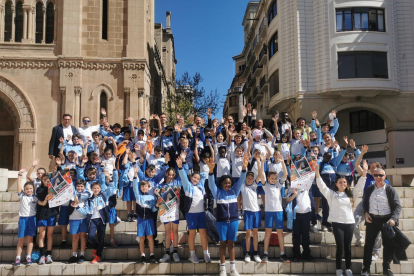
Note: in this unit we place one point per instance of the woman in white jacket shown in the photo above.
(341, 201)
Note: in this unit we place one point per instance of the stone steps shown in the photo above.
(131, 252)
(125, 267)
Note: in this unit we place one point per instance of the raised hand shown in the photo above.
(314, 115)
(254, 113)
(191, 119)
(22, 170)
(246, 158)
(36, 162)
(183, 155)
(177, 116)
(346, 140)
(211, 165)
(62, 141)
(333, 113)
(317, 122)
(364, 149)
(69, 137)
(107, 174)
(249, 108)
(167, 158)
(365, 165)
(58, 161)
(179, 163)
(222, 120)
(244, 111)
(84, 159)
(103, 111)
(209, 111)
(352, 143)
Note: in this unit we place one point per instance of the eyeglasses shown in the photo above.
(143, 122)
(86, 121)
(378, 175)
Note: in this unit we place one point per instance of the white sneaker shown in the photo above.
(176, 258)
(42, 260)
(166, 258)
(118, 220)
(223, 272)
(375, 257)
(49, 259)
(247, 258)
(339, 272)
(207, 258)
(194, 259)
(257, 259)
(324, 229)
(358, 243)
(234, 273)
(348, 272)
(314, 228)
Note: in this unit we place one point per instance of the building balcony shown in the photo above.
(246, 90)
(263, 28)
(263, 55)
(250, 57)
(264, 84)
(257, 69)
(251, 81)
(256, 44)
(257, 94)
(245, 72)
(236, 89)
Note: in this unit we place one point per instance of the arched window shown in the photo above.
(8, 21)
(39, 22)
(103, 102)
(50, 23)
(18, 34)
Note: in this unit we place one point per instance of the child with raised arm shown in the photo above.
(225, 194)
(27, 220)
(78, 226)
(39, 173)
(273, 189)
(147, 205)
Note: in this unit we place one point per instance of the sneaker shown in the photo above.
(339, 272)
(365, 272)
(234, 273)
(223, 272)
(63, 245)
(284, 258)
(134, 217)
(143, 260)
(17, 262)
(49, 259)
(28, 260)
(265, 258)
(94, 252)
(194, 259)
(314, 228)
(72, 260)
(41, 260)
(388, 273)
(358, 243)
(348, 272)
(129, 218)
(257, 259)
(324, 229)
(81, 259)
(96, 260)
(118, 219)
(113, 244)
(247, 258)
(207, 258)
(308, 258)
(296, 258)
(375, 257)
(165, 259)
(153, 260)
(176, 258)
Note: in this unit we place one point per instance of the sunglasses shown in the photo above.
(86, 121)
(143, 122)
(378, 175)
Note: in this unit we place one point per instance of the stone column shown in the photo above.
(141, 106)
(76, 116)
(44, 25)
(24, 24)
(55, 25)
(30, 34)
(62, 100)
(127, 99)
(1, 23)
(13, 8)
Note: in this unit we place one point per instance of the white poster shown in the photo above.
(170, 199)
(62, 191)
(302, 173)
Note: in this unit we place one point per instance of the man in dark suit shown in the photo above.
(64, 130)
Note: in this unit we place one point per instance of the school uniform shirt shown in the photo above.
(86, 132)
(284, 127)
(237, 166)
(275, 167)
(256, 145)
(157, 162)
(203, 167)
(69, 164)
(223, 167)
(284, 149)
(108, 162)
(249, 193)
(295, 147)
(28, 205)
(273, 196)
(302, 201)
(140, 143)
(197, 205)
(95, 211)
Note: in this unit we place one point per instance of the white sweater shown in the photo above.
(340, 207)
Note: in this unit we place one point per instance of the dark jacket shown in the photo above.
(398, 244)
(44, 212)
(393, 201)
(57, 132)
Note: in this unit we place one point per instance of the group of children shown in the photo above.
(233, 166)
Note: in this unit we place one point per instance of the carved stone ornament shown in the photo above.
(140, 92)
(63, 89)
(127, 90)
(78, 90)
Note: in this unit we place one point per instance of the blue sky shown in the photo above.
(207, 34)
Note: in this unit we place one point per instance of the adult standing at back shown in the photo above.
(65, 130)
(86, 131)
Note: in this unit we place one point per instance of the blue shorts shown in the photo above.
(315, 191)
(50, 222)
(175, 222)
(227, 231)
(274, 217)
(145, 227)
(112, 215)
(78, 226)
(128, 193)
(252, 220)
(63, 215)
(196, 220)
(27, 227)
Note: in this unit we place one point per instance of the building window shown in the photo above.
(50, 23)
(360, 19)
(18, 32)
(362, 65)
(103, 102)
(39, 23)
(105, 19)
(8, 21)
(272, 12)
(274, 84)
(273, 46)
(233, 101)
(363, 120)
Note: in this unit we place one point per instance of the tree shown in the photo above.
(191, 99)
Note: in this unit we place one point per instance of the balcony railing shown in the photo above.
(255, 41)
(263, 26)
(263, 81)
(263, 55)
(257, 69)
(252, 81)
(236, 89)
